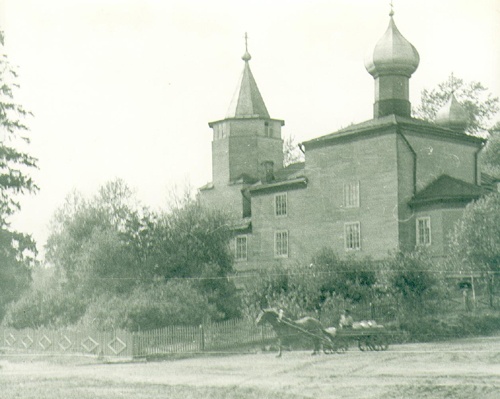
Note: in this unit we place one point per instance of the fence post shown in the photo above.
(202, 338)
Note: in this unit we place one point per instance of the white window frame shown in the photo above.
(244, 257)
(281, 250)
(351, 194)
(427, 235)
(278, 210)
(351, 244)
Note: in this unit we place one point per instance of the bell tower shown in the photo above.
(247, 137)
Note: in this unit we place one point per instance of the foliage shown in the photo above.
(319, 289)
(449, 326)
(15, 271)
(53, 307)
(479, 105)
(86, 242)
(476, 238)
(110, 247)
(176, 302)
(350, 278)
(17, 251)
(490, 156)
(413, 279)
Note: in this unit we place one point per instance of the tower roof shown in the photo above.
(452, 115)
(247, 100)
(393, 54)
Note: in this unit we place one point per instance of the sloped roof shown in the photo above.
(290, 177)
(447, 189)
(291, 171)
(247, 100)
(378, 124)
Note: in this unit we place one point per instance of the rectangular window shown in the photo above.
(280, 204)
(281, 244)
(241, 248)
(351, 194)
(268, 129)
(352, 233)
(424, 231)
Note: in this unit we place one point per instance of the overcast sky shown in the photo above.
(126, 88)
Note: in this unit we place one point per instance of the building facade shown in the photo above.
(391, 183)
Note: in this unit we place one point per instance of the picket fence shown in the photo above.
(215, 337)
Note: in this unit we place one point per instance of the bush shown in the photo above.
(54, 307)
(433, 328)
(156, 306)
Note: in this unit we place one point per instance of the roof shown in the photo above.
(392, 54)
(447, 189)
(380, 124)
(247, 100)
(452, 115)
(291, 176)
(291, 171)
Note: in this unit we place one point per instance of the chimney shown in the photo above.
(267, 172)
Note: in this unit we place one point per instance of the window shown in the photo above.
(281, 244)
(352, 233)
(280, 204)
(351, 195)
(268, 129)
(241, 248)
(424, 231)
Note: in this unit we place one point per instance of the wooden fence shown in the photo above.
(215, 337)
(116, 343)
(229, 335)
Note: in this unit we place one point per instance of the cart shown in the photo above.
(368, 335)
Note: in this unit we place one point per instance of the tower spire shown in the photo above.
(391, 13)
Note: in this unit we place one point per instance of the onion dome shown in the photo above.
(393, 54)
(452, 115)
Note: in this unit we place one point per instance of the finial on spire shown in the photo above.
(246, 57)
(454, 84)
(391, 13)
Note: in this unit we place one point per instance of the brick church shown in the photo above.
(390, 183)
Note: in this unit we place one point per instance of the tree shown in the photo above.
(414, 279)
(88, 240)
(490, 156)
(291, 151)
(111, 245)
(480, 105)
(476, 238)
(17, 250)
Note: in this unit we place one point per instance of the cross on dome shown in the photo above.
(246, 57)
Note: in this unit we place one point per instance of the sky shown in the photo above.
(126, 88)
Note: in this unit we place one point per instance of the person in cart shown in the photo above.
(346, 320)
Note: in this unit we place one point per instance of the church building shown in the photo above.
(391, 183)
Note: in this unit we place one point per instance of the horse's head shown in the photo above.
(266, 315)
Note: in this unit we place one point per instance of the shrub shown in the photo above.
(54, 307)
(160, 305)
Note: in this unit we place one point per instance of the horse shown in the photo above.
(287, 329)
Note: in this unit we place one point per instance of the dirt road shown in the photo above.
(459, 369)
